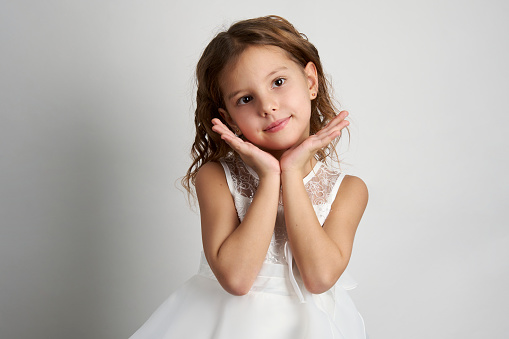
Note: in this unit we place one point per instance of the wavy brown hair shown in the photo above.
(225, 49)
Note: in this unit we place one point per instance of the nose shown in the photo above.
(269, 105)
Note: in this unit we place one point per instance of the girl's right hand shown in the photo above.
(262, 162)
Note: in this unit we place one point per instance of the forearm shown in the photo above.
(318, 257)
(241, 255)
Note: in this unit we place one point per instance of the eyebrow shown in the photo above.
(231, 95)
(276, 70)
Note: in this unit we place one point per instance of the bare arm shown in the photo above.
(322, 253)
(236, 251)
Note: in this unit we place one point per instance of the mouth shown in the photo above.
(277, 125)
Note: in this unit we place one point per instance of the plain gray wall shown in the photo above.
(96, 101)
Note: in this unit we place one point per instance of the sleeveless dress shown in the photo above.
(278, 306)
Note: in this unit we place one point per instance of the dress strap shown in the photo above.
(335, 188)
(228, 175)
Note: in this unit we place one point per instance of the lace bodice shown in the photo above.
(321, 184)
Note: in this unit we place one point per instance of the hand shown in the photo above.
(297, 157)
(262, 162)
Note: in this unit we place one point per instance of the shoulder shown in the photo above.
(212, 188)
(354, 184)
(211, 168)
(353, 190)
(210, 174)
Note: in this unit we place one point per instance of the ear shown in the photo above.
(312, 77)
(227, 117)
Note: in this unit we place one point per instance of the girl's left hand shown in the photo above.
(296, 158)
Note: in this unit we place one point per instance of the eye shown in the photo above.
(278, 82)
(244, 100)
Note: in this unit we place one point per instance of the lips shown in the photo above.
(277, 125)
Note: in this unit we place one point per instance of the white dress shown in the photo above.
(278, 306)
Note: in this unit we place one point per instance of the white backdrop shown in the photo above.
(96, 101)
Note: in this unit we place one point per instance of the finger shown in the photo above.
(325, 136)
(228, 136)
(241, 147)
(337, 120)
(321, 140)
(342, 115)
(237, 144)
(230, 140)
(335, 129)
(337, 125)
(220, 128)
(218, 124)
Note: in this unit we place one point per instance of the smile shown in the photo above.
(278, 125)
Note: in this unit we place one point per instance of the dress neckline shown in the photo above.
(313, 172)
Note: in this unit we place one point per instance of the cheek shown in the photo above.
(245, 122)
(298, 94)
(303, 103)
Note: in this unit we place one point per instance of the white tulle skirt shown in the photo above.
(202, 309)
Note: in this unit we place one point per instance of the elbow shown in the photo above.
(237, 290)
(320, 282)
(237, 286)
(319, 285)
(234, 279)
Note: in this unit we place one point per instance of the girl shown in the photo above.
(265, 124)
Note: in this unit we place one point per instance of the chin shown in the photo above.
(277, 151)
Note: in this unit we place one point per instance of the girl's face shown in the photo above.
(268, 97)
